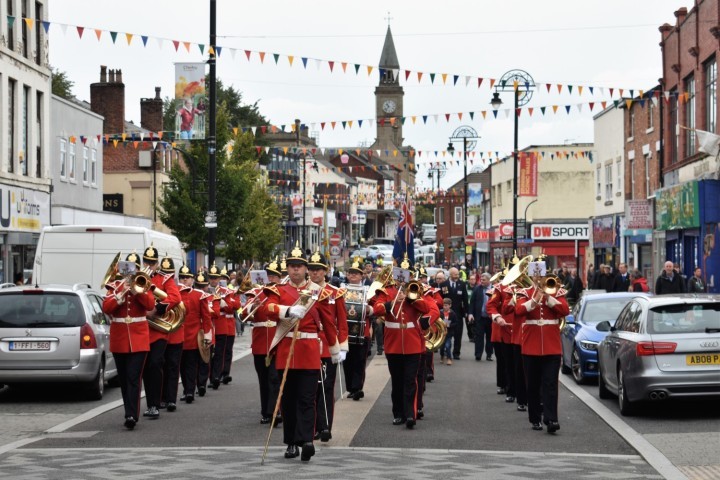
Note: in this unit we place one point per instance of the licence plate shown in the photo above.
(703, 359)
(29, 346)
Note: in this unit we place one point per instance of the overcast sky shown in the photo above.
(600, 43)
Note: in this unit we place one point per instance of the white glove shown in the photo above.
(343, 355)
(208, 336)
(471, 319)
(335, 357)
(223, 304)
(297, 311)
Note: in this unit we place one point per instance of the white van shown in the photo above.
(70, 254)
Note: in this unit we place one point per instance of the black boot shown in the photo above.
(308, 450)
(292, 451)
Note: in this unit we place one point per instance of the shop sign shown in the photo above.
(638, 215)
(23, 209)
(560, 231)
(677, 207)
(603, 234)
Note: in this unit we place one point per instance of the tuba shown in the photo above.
(518, 274)
(173, 317)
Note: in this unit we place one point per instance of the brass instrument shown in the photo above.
(383, 279)
(413, 290)
(111, 272)
(434, 340)
(246, 283)
(550, 284)
(518, 274)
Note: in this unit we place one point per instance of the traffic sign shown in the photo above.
(469, 239)
(334, 251)
(335, 239)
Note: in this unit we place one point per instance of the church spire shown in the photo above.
(389, 60)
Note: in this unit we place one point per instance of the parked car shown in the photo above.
(55, 333)
(432, 271)
(660, 348)
(373, 252)
(580, 338)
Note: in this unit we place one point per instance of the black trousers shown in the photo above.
(520, 376)
(470, 330)
(354, 366)
(500, 376)
(171, 372)
(218, 358)
(508, 372)
(130, 371)
(189, 365)
(153, 373)
(403, 375)
(269, 382)
(421, 381)
(325, 396)
(430, 364)
(457, 338)
(379, 334)
(227, 363)
(483, 330)
(204, 370)
(298, 406)
(542, 386)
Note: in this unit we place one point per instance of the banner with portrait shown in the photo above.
(191, 101)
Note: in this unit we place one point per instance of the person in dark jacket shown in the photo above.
(621, 282)
(696, 283)
(574, 286)
(603, 279)
(669, 281)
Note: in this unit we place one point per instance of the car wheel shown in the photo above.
(626, 407)
(576, 367)
(96, 388)
(603, 391)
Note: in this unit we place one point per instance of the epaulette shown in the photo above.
(340, 293)
(205, 294)
(254, 292)
(324, 294)
(184, 288)
(525, 292)
(561, 292)
(271, 289)
(166, 276)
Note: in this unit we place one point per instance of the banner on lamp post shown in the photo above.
(190, 93)
(528, 175)
(475, 199)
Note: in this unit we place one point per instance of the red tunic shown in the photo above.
(263, 329)
(403, 332)
(225, 324)
(498, 306)
(197, 315)
(541, 328)
(334, 306)
(128, 337)
(167, 284)
(306, 355)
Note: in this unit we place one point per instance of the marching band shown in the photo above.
(303, 327)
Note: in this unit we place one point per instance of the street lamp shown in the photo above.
(469, 138)
(521, 84)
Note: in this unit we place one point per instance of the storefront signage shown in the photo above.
(113, 202)
(677, 207)
(23, 209)
(603, 233)
(638, 214)
(505, 229)
(559, 231)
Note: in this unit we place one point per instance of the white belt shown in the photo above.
(303, 335)
(542, 322)
(129, 319)
(229, 316)
(399, 325)
(267, 324)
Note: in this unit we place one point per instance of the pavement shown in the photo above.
(468, 432)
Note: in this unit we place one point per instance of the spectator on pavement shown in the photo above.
(669, 281)
(639, 283)
(696, 284)
(621, 282)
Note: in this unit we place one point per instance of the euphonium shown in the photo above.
(434, 339)
(173, 317)
(518, 274)
(413, 290)
(383, 279)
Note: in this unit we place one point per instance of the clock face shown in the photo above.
(388, 106)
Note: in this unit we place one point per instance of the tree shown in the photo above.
(423, 214)
(61, 85)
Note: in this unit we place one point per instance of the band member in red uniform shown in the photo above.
(434, 295)
(356, 362)
(501, 336)
(262, 334)
(228, 306)
(334, 305)
(213, 306)
(197, 317)
(406, 321)
(153, 373)
(541, 351)
(220, 337)
(129, 338)
(173, 351)
(301, 382)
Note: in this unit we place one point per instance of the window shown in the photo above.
(608, 182)
(442, 215)
(650, 114)
(39, 137)
(11, 26)
(93, 166)
(508, 187)
(711, 96)
(674, 143)
(599, 183)
(499, 194)
(24, 154)
(458, 215)
(24, 29)
(647, 176)
(631, 130)
(12, 85)
(86, 165)
(690, 116)
(71, 162)
(632, 178)
(63, 158)
(38, 33)
(618, 168)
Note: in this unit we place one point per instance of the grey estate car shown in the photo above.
(53, 334)
(660, 348)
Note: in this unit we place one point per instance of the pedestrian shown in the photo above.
(450, 320)
(480, 319)
(604, 280)
(591, 276)
(696, 284)
(621, 282)
(669, 281)
(455, 289)
(574, 287)
(639, 283)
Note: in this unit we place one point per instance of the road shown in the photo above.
(468, 432)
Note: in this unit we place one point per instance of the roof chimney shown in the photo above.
(103, 74)
(107, 98)
(118, 76)
(680, 14)
(157, 93)
(151, 112)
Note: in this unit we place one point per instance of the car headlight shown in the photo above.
(588, 345)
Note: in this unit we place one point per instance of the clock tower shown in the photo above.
(389, 99)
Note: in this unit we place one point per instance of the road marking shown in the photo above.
(652, 455)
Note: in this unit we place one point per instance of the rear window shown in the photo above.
(684, 318)
(40, 310)
(601, 310)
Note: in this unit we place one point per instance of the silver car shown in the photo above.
(660, 348)
(55, 333)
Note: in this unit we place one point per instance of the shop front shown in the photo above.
(606, 241)
(638, 233)
(23, 214)
(689, 214)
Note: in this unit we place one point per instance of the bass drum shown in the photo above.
(356, 304)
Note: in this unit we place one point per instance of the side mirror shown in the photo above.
(570, 319)
(603, 326)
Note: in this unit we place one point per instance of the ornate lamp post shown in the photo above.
(469, 137)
